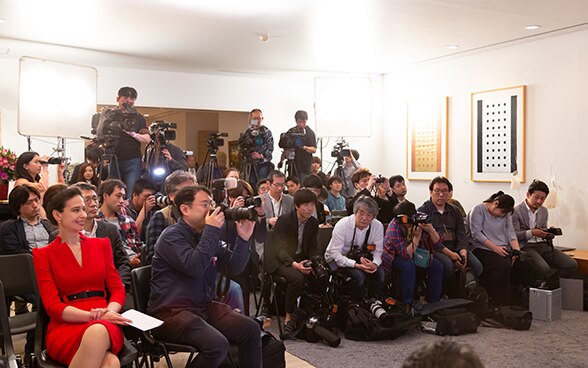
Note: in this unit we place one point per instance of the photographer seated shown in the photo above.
(407, 232)
(355, 249)
(315, 185)
(530, 224)
(187, 258)
(446, 219)
(295, 243)
(497, 248)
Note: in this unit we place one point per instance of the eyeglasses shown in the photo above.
(279, 184)
(206, 204)
(439, 191)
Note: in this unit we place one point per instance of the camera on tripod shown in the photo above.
(340, 150)
(162, 130)
(215, 141)
(292, 138)
(110, 122)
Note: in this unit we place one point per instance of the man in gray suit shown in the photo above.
(276, 202)
(530, 224)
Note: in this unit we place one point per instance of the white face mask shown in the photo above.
(254, 122)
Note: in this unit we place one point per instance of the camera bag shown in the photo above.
(423, 256)
(363, 325)
(273, 353)
(455, 321)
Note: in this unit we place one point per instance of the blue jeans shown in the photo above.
(234, 297)
(130, 172)
(358, 280)
(408, 270)
(449, 276)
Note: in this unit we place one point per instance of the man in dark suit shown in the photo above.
(101, 229)
(29, 230)
(295, 242)
(530, 223)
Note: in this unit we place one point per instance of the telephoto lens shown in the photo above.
(381, 314)
(252, 201)
(240, 213)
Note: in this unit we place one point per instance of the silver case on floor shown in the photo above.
(545, 304)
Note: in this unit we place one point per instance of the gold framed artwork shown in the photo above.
(498, 134)
(426, 139)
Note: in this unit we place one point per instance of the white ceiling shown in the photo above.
(216, 36)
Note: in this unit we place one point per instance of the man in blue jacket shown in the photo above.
(187, 257)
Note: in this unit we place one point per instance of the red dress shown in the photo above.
(59, 274)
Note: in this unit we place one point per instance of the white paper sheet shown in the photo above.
(141, 320)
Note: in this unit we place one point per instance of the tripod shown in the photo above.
(212, 171)
(250, 172)
(339, 172)
(291, 169)
(108, 166)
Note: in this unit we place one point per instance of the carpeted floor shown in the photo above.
(562, 343)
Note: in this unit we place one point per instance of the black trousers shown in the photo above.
(211, 331)
(295, 288)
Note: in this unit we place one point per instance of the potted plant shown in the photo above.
(7, 166)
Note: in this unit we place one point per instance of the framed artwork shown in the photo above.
(498, 135)
(426, 139)
(234, 159)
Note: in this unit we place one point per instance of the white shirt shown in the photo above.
(342, 238)
(91, 234)
(276, 206)
(532, 225)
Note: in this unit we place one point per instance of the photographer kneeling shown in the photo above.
(295, 242)
(405, 234)
(356, 249)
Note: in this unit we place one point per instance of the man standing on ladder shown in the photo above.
(256, 146)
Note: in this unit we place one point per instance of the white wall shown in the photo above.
(554, 70)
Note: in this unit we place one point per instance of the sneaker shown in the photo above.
(290, 331)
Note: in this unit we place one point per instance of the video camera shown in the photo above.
(215, 141)
(291, 139)
(110, 122)
(340, 150)
(415, 219)
(162, 130)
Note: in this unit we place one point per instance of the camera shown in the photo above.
(415, 219)
(377, 309)
(110, 122)
(340, 150)
(316, 263)
(54, 160)
(356, 252)
(238, 213)
(162, 130)
(380, 179)
(215, 141)
(555, 231)
(291, 139)
(252, 201)
(513, 252)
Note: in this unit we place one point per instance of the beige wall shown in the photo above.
(233, 123)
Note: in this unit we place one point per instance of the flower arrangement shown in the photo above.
(7, 164)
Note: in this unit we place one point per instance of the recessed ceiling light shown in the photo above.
(146, 115)
(452, 47)
(2, 20)
(263, 38)
(532, 27)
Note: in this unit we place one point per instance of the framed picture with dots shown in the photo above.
(426, 139)
(498, 135)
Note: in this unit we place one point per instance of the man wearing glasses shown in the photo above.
(448, 222)
(183, 283)
(356, 249)
(276, 202)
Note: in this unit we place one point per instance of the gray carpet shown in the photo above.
(562, 343)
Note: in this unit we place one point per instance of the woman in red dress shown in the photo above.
(75, 274)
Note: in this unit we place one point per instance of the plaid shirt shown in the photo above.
(395, 243)
(128, 231)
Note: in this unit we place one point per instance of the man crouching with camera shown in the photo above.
(294, 244)
(356, 249)
(187, 257)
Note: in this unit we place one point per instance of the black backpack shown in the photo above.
(509, 316)
(454, 322)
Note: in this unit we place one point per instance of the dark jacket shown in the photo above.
(185, 266)
(385, 207)
(285, 241)
(121, 261)
(13, 239)
(449, 222)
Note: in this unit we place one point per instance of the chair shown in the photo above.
(17, 275)
(141, 282)
(127, 355)
(8, 359)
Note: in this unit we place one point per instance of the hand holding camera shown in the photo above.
(216, 218)
(245, 229)
(301, 266)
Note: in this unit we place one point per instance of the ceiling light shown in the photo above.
(263, 38)
(452, 47)
(2, 20)
(146, 115)
(532, 27)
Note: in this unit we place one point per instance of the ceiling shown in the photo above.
(226, 36)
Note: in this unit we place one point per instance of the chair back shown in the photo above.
(324, 237)
(7, 347)
(268, 249)
(141, 283)
(17, 274)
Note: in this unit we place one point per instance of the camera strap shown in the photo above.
(365, 241)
